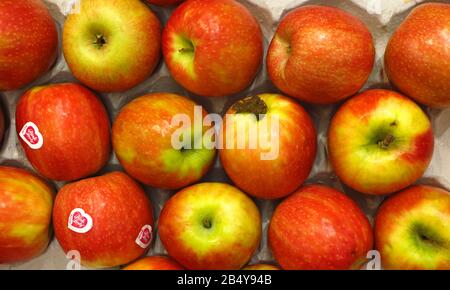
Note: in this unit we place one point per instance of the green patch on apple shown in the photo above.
(28, 186)
(28, 233)
(128, 154)
(209, 227)
(185, 160)
(427, 242)
(427, 237)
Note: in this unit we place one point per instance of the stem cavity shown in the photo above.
(387, 141)
(99, 41)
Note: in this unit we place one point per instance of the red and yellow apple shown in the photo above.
(380, 142)
(165, 2)
(259, 267)
(29, 42)
(25, 215)
(107, 219)
(154, 263)
(112, 46)
(319, 227)
(280, 145)
(64, 130)
(411, 229)
(320, 54)
(417, 57)
(210, 226)
(213, 48)
(142, 138)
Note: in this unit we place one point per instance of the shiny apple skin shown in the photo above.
(320, 54)
(119, 209)
(213, 48)
(29, 42)
(319, 228)
(417, 57)
(75, 128)
(142, 140)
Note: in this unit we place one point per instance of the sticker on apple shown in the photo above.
(79, 221)
(31, 135)
(145, 236)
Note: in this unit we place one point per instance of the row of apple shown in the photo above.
(379, 141)
(214, 48)
(108, 220)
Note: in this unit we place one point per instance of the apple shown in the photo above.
(165, 2)
(417, 57)
(154, 263)
(64, 130)
(320, 54)
(277, 166)
(319, 227)
(25, 215)
(210, 226)
(29, 42)
(112, 46)
(107, 219)
(411, 229)
(142, 139)
(213, 48)
(259, 267)
(380, 142)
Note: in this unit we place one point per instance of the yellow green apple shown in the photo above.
(112, 46)
(380, 142)
(411, 229)
(210, 226)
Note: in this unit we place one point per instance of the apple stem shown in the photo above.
(184, 49)
(251, 105)
(207, 223)
(100, 40)
(386, 142)
(187, 46)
